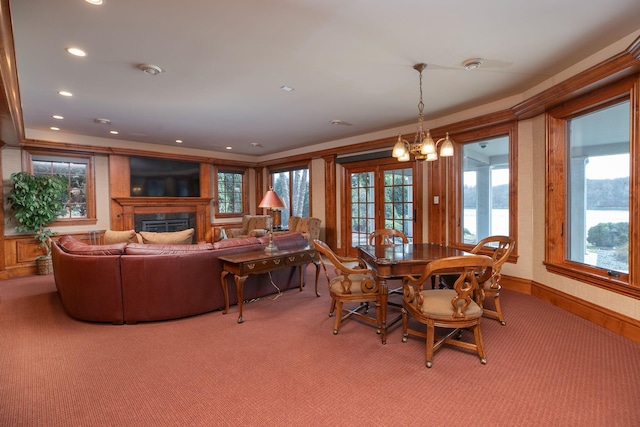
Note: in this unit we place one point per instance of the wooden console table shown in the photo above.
(257, 262)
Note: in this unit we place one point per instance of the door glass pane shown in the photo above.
(362, 207)
(485, 184)
(398, 200)
(598, 188)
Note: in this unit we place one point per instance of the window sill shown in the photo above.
(612, 284)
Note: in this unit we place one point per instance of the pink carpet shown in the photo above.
(284, 367)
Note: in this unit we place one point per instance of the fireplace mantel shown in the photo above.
(163, 201)
(130, 206)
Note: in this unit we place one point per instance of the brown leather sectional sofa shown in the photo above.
(132, 282)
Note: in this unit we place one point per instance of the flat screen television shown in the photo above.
(156, 177)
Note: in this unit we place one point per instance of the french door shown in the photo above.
(379, 196)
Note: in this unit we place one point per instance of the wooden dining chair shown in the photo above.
(452, 309)
(350, 282)
(387, 237)
(498, 248)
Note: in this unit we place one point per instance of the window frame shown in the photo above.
(556, 184)
(455, 190)
(245, 191)
(90, 191)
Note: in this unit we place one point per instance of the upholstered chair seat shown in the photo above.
(436, 304)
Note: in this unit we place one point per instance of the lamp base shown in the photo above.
(271, 248)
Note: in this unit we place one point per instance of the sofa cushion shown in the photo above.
(184, 237)
(116, 236)
(76, 247)
(153, 249)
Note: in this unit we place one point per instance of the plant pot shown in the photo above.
(45, 265)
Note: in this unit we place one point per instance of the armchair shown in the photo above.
(452, 309)
(308, 226)
(352, 282)
(500, 247)
(252, 226)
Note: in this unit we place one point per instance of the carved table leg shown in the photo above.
(225, 292)
(239, 285)
(302, 267)
(317, 264)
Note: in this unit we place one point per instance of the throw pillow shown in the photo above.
(115, 236)
(184, 237)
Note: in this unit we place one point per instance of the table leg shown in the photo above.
(225, 291)
(301, 268)
(317, 264)
(239, 285)
(384, 296)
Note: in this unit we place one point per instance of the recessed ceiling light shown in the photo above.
(65, 93)
(150, 69)
(96, 2)
(228, 148)
(113, 132)
(473, 64)
(76, 51)
(179, 141)
(287, 88)
(54, 128)
(57, 117)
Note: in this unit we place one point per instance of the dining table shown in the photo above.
(397, 261)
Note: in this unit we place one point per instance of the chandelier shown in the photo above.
(423, 147)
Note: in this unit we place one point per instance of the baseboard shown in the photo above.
(623, 325)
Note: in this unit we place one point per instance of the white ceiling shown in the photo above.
(225, 62)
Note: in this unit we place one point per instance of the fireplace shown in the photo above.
(164, 214)
(161, 222)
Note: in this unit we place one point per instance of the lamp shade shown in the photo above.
(271, 200)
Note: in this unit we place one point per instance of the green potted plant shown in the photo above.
(37, 201)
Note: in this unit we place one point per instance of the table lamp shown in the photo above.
(271, 201)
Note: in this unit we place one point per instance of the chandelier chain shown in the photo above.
(420, 133)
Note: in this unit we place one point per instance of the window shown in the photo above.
(485, 189)
(78, 171)
(292, 185)
(598, 188)
(487, 204)
(231, 193)
(590, 191)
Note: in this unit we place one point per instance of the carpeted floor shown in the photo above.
(284, 367)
